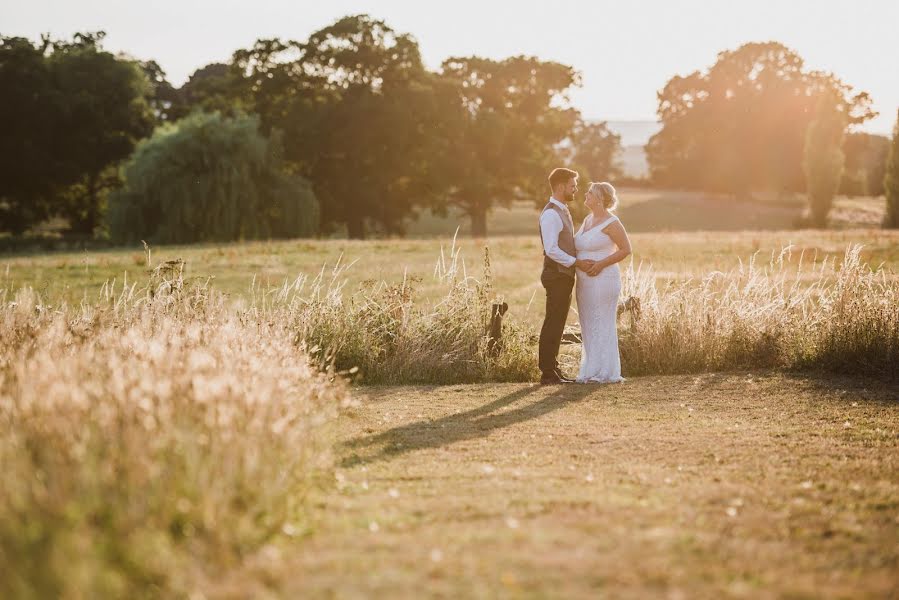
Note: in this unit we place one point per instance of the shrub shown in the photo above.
(210, 178)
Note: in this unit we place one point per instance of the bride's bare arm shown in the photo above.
(618, 234)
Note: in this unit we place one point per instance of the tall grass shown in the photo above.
(841, 317)
(380, 334)
(784, 314)
(152, 444)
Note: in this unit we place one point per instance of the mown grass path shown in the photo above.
(742, 485)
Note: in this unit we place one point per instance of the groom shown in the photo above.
(559, 263)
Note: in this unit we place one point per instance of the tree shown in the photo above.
(27, 175)
(824, 158)
(215, 87)
(594, 148)
(504, 122)
(104, 114)
(891, 181)
(741, 126)
(210, 178)
(162, 96)
(866, 159)
(356, 106)
(70, 113)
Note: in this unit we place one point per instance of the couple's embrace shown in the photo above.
(586, 258)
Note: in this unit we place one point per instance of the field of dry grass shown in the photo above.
(778, 481)
(674, 256)
(746, 484)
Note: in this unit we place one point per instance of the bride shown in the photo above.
(602, 239)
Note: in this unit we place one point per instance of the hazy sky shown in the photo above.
(625, 50)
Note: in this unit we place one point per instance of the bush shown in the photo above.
(842, 318)
(210, 178)
(381, 332)
(839, 317)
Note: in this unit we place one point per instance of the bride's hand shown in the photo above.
(595, 269)
(584, 265)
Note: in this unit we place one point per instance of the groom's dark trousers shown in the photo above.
(558, 300)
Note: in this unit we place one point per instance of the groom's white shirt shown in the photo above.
(550, 228)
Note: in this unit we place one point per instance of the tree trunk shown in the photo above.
(92, 210)
(819, 209)
(85, 220)
(478, 215)
(355, 227)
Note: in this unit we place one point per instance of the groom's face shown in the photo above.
(570, 189)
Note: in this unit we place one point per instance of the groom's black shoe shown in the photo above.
(553, 378)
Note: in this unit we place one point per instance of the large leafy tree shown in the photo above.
(594, 148)
(104, 114)
(27, 176)
(504, 122)
(210, 178)
(741, 125)
(70, 112)
(355, 104)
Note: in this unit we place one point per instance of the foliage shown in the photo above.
(26, 148)
(823, 157)
(505, 121)
(81, 110)
(152, 444)
(866, 159)
(891, 181)
(356, 106)
(594, 148)
(740, 127)
(210, 177)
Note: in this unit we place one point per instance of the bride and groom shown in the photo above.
(586, 259)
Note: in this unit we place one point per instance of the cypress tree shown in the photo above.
(891, 181)
(823, 157)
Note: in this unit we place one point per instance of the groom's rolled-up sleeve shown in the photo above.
(550, 228)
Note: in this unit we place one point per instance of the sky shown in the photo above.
(626, 50)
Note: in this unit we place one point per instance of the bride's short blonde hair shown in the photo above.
(606, 193)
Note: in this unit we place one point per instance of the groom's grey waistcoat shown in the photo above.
(566, 242)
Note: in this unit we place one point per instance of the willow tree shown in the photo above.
(210, 178)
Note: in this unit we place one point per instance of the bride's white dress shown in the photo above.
(597, 306)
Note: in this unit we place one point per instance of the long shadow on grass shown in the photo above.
(467, 425)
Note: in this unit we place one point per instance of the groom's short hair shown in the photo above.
(560, 175)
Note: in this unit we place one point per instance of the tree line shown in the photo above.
(348, 131)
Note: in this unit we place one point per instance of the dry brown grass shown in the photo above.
(152, 446)
(749, 485)
(155, 438)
